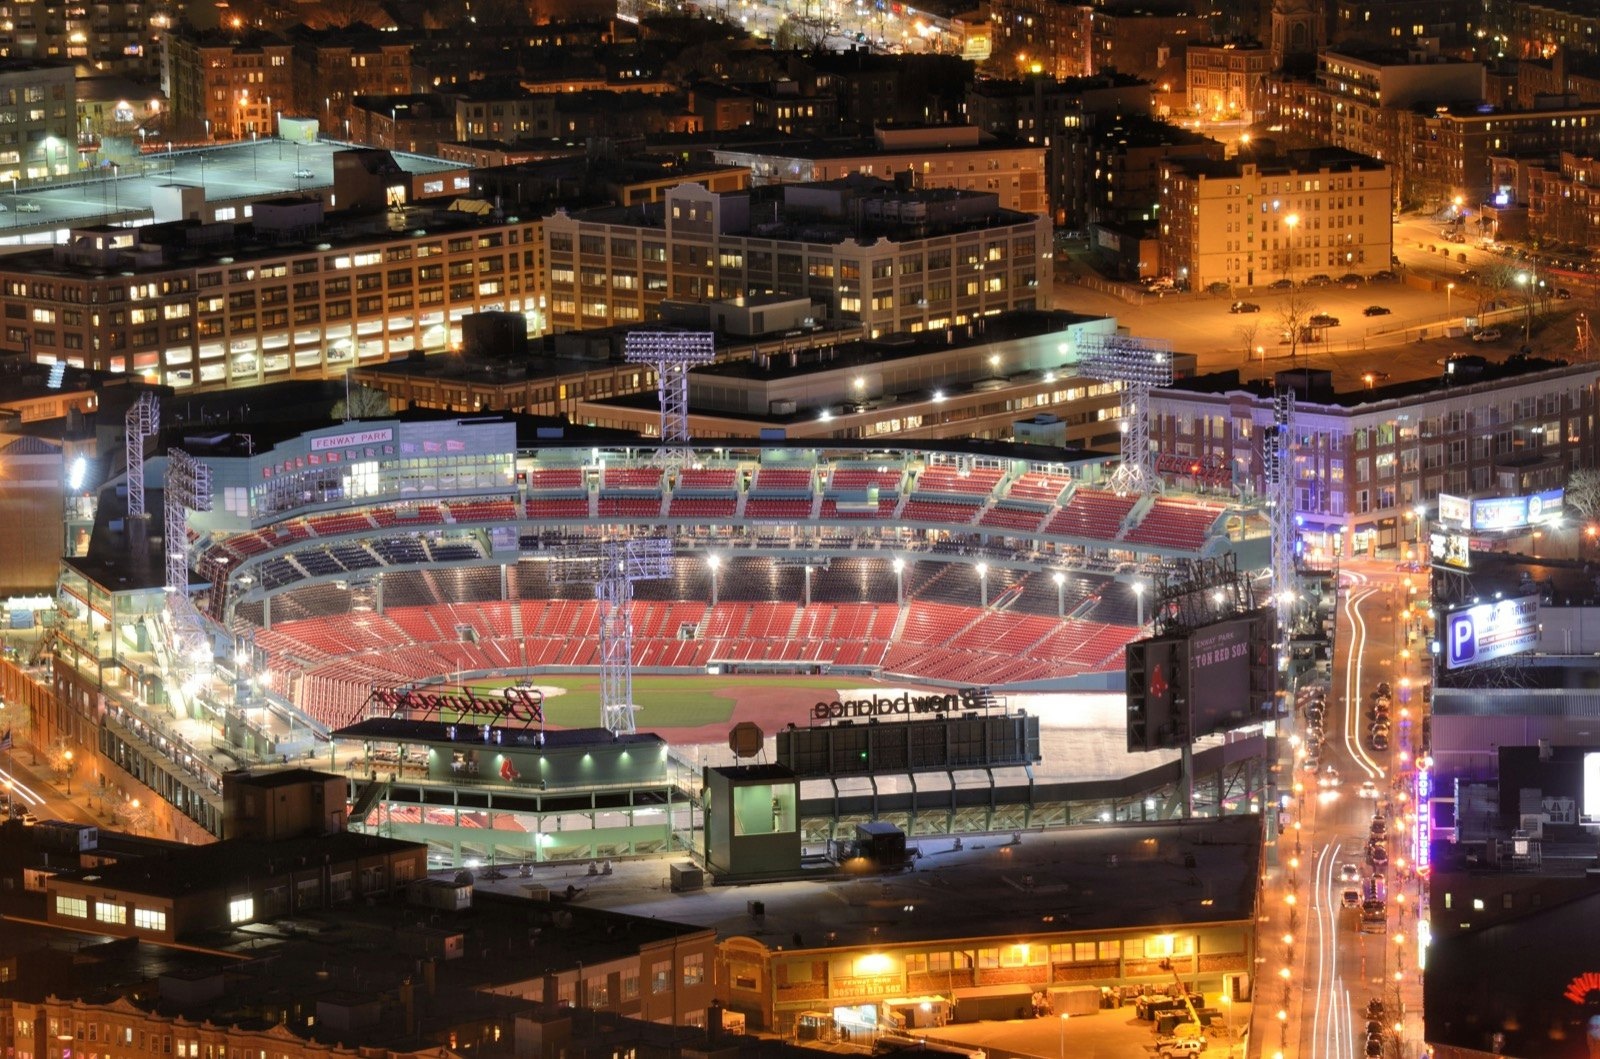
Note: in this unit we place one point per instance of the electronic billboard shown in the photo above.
(1215, 678)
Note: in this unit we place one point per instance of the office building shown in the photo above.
(1369, 457)
(1250, 221)
(889, 258)
(38, 113)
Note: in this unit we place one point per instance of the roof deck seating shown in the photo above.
(884, 509)
(708, 479)
(782, 480)
(1045, 488)
(631, 506)
(918, 510)
(1175, 525)
(770, 507)
(399, 551)
(455, 551)
(979, 482)
(420, 515)
(857, 479)
(290, 532)
(702, 506)
(1008, 516)
(646, 478)
(317, 563)
(483, 510)
(563, 508)
(277, 572)
(555, 479)
(345, 522)
(353, 556)
(1093, 514)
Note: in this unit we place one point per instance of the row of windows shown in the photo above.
(109, 912)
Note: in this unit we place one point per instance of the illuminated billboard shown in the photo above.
(1450, 549)
(1591, 786)
(1505, 514)
(1490, 630)
(1455, 510)
(1216, 678)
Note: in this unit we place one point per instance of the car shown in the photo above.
(1563, 293)
(29, 207)
(303, 174)
(27, 818)
(1281, 284)
(1375, 1009)
(1349, 873)
(1350, 279)
(1309, 763)
(1328, 777)
(1374, 1047)
(1384, 689)
(1375, 310)
(1374, 1027)
(1378, 829)
(1384, 275)
(1324, 320)
(1219, 287)
(1487, 334)
(1380, 742)
(1181, 1046)
(1369, 789)
(1244, 307)
(1377, 853)
(1350, 899)
(1321, 279)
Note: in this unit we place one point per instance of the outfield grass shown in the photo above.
(665, 702)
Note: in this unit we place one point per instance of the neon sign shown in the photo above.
(1582, 987)
(515, 704)
(1423, 856)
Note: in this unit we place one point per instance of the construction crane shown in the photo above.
(1194, 1027)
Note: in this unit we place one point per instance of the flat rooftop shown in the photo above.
(1105, 878)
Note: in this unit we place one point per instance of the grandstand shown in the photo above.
(928, 565)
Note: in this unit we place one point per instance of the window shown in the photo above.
(694, 969)
(660, 977)
(241, 910)
(150, 919)
(72, 906)
(106, 912)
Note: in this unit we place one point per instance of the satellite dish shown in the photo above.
(746, 739)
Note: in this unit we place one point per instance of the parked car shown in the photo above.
(1321, 279)
(1487, 334)
(1375, 310)
(1181, 1046)
(1383, 275)
(1377, 853)
(29, 207)
(1244, 307)
(1563, 293)
(1351, 279)
(1350, 899)
(1281, 284)
(1324, 320)
(1380, 742)
(1385, 689)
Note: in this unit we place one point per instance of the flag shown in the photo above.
(5, 740)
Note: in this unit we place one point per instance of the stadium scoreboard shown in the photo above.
(1211, 679)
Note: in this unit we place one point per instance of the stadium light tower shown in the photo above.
(1140, 365)
(186, 487)
(899, 581)
(983, 582)
(672, 354)
(1061, 593)
(622, 562)
(714, 561)
(1278, 462)
(143, 421)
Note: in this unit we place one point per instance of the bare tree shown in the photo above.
(1248, 332)
(1583, 493)
(1294, 315)
(363, 403)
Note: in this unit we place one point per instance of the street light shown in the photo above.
(1064, 1017)
(68, 756)
(1449, 289)
(1293, 221)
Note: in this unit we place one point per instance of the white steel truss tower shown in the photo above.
(1140, 365)
(672, 354)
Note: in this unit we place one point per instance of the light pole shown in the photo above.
(1061, 593)
(1449, 289)
(899, 565)
(68, 756)
(1064, 1017)
(8, 797)
(983, 582)
(714, 561)
(1138, 599)
(1293, 221)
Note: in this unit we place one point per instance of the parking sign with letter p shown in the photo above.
(1462, 638)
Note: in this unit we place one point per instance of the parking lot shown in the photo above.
(1115, 1033)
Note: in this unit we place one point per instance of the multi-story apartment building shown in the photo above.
(1367, 458)
(1391, 22)
(1452, 147)
(870, 252)
(117, 36)
(1145, 38)
(1060, 117)
(291, 296)
(1552, 200)
(1124, 158)
(227, 87)
(1247, 221)
(1045, 38)
(333, 67)
(1539, 28)
(1227, 80)
(415, 122)
(936, 156)
(38, 115)
(503, 110)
